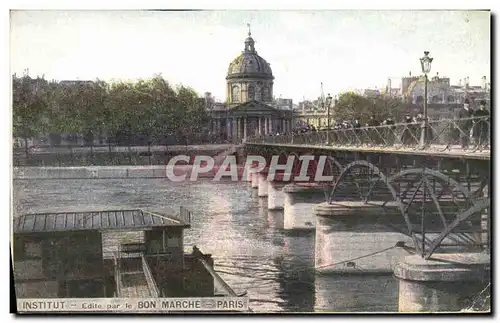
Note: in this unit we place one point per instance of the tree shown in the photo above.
(30, 103)
(191, 110)
(351, 106)
(148, 107)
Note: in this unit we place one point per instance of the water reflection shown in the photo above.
(361, 293)
(275, 219)
(297, 272)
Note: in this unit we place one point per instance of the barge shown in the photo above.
(131, 253)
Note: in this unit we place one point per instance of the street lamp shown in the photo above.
(425, 62)
(328, 104)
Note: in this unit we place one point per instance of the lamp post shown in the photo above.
(425, 62)
(328, 104)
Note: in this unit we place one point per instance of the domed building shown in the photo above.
(249, 77)
(249, 99)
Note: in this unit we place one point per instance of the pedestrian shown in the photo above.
(372, 122)
(407, 138)
(481, 128)
(465, 124)
(388, 131)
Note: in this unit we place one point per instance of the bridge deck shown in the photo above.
(434, 150)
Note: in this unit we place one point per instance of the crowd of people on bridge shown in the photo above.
(477, 129)
(465, 129)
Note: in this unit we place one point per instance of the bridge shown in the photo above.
(419, 190)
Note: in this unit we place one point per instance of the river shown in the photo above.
(250, 248)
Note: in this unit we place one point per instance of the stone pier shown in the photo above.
(444, 283)
(275, 195)
(354, 237)
(366, 293)
(298, 205)
(248, 177)
(255, 180)
(262, 185)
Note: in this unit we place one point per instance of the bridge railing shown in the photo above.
(471, 133)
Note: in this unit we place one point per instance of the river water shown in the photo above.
(251, 250)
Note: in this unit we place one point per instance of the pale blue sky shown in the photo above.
(343, 49)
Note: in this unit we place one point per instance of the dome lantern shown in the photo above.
(249, 42)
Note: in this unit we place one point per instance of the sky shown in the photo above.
(344, 50)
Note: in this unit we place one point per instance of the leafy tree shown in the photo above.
(351, 106)
(30, 102)
(191, 110)
(148, 107)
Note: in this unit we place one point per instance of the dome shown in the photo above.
(249, 64)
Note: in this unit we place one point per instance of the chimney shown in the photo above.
(483, 82)
(410, 73)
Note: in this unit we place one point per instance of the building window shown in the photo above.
(155, 246)
(173, 240)
(251, 92)
(235, 94)
(266, 94)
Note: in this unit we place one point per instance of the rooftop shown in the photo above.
(137, 219)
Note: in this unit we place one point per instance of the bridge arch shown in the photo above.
(434, 173)
(448, 207)
(382, 177)
(332, 163)
(479, 206)
(450, 220)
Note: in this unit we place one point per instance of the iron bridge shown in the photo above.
(440, 191)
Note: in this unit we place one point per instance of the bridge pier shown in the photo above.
(298, 206)
(443, 283)
(255, 180)
(275, 195)
(351, 237)
(263, 184)
(248, 177)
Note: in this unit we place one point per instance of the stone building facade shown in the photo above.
(440, 91)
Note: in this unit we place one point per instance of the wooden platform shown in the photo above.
(134, 285)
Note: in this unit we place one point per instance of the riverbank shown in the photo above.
(110, 156)
(114, 172)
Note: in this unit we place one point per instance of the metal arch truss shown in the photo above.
(331, 163)
(438, 213)
(442, 135)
